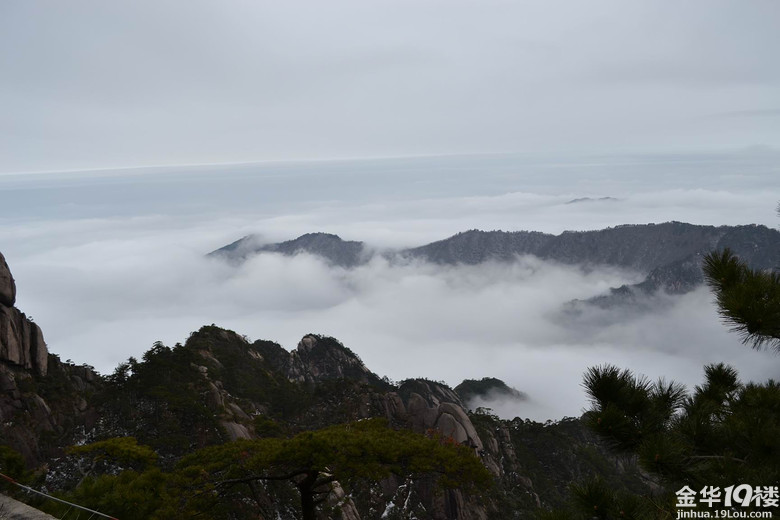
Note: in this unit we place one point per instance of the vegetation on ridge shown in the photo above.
(230, 480)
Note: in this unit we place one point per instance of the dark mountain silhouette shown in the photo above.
(668, 255)
(332, 248)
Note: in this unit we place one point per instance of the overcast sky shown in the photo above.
(95, 84)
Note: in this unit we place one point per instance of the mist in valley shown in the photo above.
(117, 275)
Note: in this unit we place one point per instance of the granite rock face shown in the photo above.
(21, 340)
(317, 359)
(7, 284)
(431, 406)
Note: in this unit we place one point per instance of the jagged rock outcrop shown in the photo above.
(39, 418)
(21, 340)
(42, 414)
(418, 404)
(487, 389)
(318, 359)
(536, 462)
(7, 284)
(431, 406)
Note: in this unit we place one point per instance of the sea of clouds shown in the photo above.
(108, 262)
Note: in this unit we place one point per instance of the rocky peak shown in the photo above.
(342, 253)
(487, 389)
(433, 392)
(316, 240)
(318, 358)
(307, 343)
(332, 248)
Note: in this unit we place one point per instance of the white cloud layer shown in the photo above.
(106, 301)
(109, 263)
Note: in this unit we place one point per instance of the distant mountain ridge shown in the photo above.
(639, 247)
(343, 253)
(668, 254)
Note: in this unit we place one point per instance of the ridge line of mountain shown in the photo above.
(668, 254)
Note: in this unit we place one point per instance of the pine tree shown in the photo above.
(724, 433)
(232, 480)
(748, 300)
(313, 461)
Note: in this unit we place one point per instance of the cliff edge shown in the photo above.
(21, 340)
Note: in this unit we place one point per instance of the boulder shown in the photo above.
(235, 431)
(446, 417)
(462, 420)
(450, 428)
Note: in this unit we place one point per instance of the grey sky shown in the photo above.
(92, 84)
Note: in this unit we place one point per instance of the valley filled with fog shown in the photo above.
(107, 262)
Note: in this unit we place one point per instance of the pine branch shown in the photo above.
(748, 300)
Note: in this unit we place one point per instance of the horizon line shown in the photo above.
(375, 158)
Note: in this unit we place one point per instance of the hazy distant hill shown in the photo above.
(669, 254)
(336, 251)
